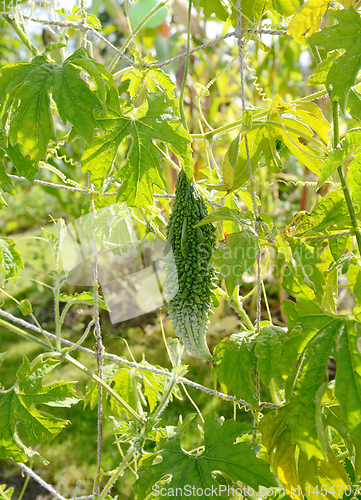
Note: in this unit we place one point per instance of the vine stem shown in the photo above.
(186, 66)
(57, 313)
(116, 473)
(346, 192)
(237, 305)
(26, 41)
(172, 362)
(142, 23)
(336, 140)
(84, 369)
(22, 333)
(258, 124)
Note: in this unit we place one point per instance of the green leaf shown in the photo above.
(24, 165)
(323, 335)
(298, 124)
(10, 259)
(153, 79)
(216, 7)
(25, 100)
(143, 168)
(53, 46)
(277, 439)
(5, 181)
(30, 84)
(292, 465)
(18, 405)
(337, 246)
(349, 144)
(291, 125)
(354, 104)
(319, 76)
(261, 140)
(235, 358)
(6, 493)
(302, 276)
(25, 307)
(346, 34)
(252, 10)
(284, 461)
(244, 219)
(74, 100)
(125, 384)
(348, 376)
(272, 425)
(308, 18)
(235, 256)
(328, 216)
(353, 179)
(76, 16)
(330, 297)
(308, 315)
(269, 352)
(83, 298)
(305, 416)
(285, 7)
(332, 417)
(237, 460)
(91, 394)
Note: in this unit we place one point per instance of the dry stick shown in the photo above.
(114, 357)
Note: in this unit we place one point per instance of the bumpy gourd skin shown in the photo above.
(192, 249)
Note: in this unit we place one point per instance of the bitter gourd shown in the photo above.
(188, 268)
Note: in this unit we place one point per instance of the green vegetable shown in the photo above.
(188, 276)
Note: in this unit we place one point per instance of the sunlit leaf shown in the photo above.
(143, 168)
(308, 18)
(25, 90)
(221, 453)
(10, 259)
(18, 405)
(235, 256)
(346, 34)
(235, 358)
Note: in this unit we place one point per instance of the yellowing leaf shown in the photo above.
(308, 18)
(284, 461)
(326, 476)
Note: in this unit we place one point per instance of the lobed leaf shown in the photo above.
(18, 405)
(346, 34)
(143, 167)
(221, 453)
